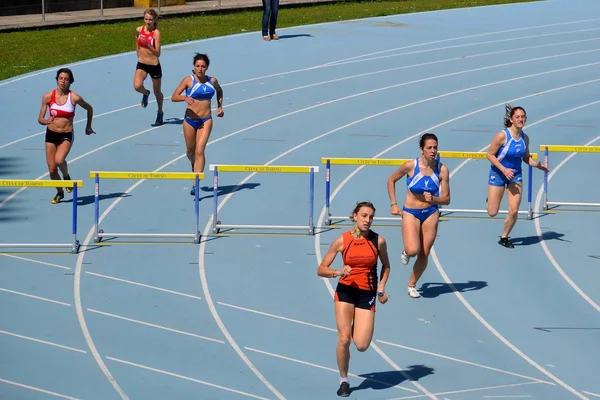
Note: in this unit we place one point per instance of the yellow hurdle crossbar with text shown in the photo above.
(384, 162)
(146, 175)
(570, 149)
(285, 169)
(39, 183)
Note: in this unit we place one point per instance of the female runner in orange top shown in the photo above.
(358, 286)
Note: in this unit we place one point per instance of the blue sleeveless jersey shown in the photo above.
(419, 183)
(201, 91)
(511, 153)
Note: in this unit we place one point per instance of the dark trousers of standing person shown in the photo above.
(269, 19)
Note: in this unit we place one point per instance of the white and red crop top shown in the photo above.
(149, 36)
(66, 110)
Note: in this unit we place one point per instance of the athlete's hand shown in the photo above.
(49, 120)
(543, 167)
(89, 131)
(189, 100)
(428, 197)
(220, 112)
(395, 210)
(346, 271)
(508, 173)
(382, 299)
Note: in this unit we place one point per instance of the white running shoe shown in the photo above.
(412, 292)
(404, 257)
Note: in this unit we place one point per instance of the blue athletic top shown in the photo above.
(419, 183)
(201, 91)
(511, 153)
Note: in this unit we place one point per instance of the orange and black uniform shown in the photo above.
(360, 287)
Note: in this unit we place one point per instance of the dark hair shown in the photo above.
(154, 14)
(360, 205)
(425, 138)
(509, 112)
(202, 57)
(66, 71)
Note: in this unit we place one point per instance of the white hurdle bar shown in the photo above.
(74, 245)
(547, 149)
(216, 168)
(99, 233)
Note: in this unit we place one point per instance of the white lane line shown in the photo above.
(36, 389)
(35, 297)
(43, 342)
(112, 278)
(34, 261)
(164, 328)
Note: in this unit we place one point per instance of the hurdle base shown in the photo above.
(73, 246)
(572, 204)
(217, 227)
(101, 234)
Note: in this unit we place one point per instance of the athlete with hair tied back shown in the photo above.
(428, 188)
(358, 286)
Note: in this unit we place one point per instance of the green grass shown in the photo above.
(31, 50)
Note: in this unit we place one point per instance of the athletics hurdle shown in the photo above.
(216, 168)
(477, 155)
(329, 161)
(74, 245)
(564, 149)
(99, 233)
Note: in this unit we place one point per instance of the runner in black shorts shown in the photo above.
(358, 286)
(147, 46)
(59, 126)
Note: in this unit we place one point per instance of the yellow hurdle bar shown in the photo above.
(549, 148)
(97, 175)
(570, 149)
(286, 169)
(471, 154)
(39, 183)
(25, 183)
(146, 175)
(364, 161)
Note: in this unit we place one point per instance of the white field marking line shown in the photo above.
(77, 284)
(62, 396)
(388, 343)
(591, 394)
(465, 362)
(35, 297)
(277, 317)
(476, 314)
(13, 195)
(43, 342)
(402, 68)
(458, 46)
(329, 81)
(164, 328)
(187, 378)
(470, 390)
(318, 254)
(143, 285)
(326, 368)
(79, 308)
(538, 229)
(34, 261)
(459, 38)
(515, 396)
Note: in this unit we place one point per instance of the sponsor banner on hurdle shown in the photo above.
(329, 161)
(136, 175)
(547, 149)
(275, 169)
(69, 184)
